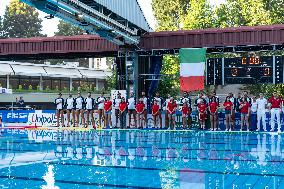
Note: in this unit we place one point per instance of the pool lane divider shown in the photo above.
(138, 130)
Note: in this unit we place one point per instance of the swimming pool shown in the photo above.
(140, 159)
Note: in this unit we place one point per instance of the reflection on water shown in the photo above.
(111, 159)
(49, 179)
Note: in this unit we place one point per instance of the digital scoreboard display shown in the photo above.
(245, 70)
(248, 70)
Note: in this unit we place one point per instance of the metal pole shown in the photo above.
(223, 71)
(40, 83)
(214, 67)
(8, 81)
(135, 74)
(116, 72)
(274, 71)
(70, 84)
(126, 77)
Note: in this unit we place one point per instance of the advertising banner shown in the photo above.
(47, 118)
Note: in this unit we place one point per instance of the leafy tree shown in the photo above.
(170, 81)
(276, 9)
(199, 15)
(236, 13)
(66, 29)
(21, 20)
(169, 13)
(1, 27)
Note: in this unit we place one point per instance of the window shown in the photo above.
(65, 84)
(34, 82)
(46, 83)
(3, 81)
(14, 82)
(76, 84)
(25, 82)
(98, 63)
(55, 84)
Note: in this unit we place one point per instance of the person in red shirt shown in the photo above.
(202, 107)
(140, 107)
(244, 110)
(185, 113)
(213, 110)
(275, 110)
(171, 110)
(122, 113)
(107, 112)
(228, 106)
(155, 112)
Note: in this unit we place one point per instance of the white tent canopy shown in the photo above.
(5, 69)
(28, 70)
(86, 73)
(62, 72)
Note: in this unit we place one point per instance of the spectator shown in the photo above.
(21, 102)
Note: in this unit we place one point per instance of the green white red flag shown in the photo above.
(192, 67)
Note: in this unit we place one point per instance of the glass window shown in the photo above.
(76, 84)
(65, 85)
(34, 82)
(92, 84)
(46, 83)
(3, 81)
(55, 84)
(15, 82)
(25, 82)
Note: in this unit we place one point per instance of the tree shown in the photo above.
(169, 13)
(66, 29)
(199, 15)
(170, 81)
(276, 9)
(21, 20)
(1, 27)
(235, 13)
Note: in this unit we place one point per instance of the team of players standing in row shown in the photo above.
(206, 107)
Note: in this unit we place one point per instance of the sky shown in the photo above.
(50, 26)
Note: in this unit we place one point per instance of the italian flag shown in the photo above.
(192, 66)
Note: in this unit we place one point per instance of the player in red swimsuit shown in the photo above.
(202, 107)
(244, 109)
(122, 113)
(185, 112)
(228, 106)
(140, 107)
(172, 106)
(155, 112)
(213, 109)
(107, 112)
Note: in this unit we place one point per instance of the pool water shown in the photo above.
(52, 159)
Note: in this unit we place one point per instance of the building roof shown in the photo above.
(29, 69)
(92, 46)
(127, 9)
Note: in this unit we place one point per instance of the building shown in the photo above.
(98, 63)
(41, 77)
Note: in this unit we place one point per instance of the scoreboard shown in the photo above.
(244, 70)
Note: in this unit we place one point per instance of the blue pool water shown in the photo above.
(140, 159)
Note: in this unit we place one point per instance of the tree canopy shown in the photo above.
(21, 20)
(66, 29)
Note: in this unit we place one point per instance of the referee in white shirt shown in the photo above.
(261, 111)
